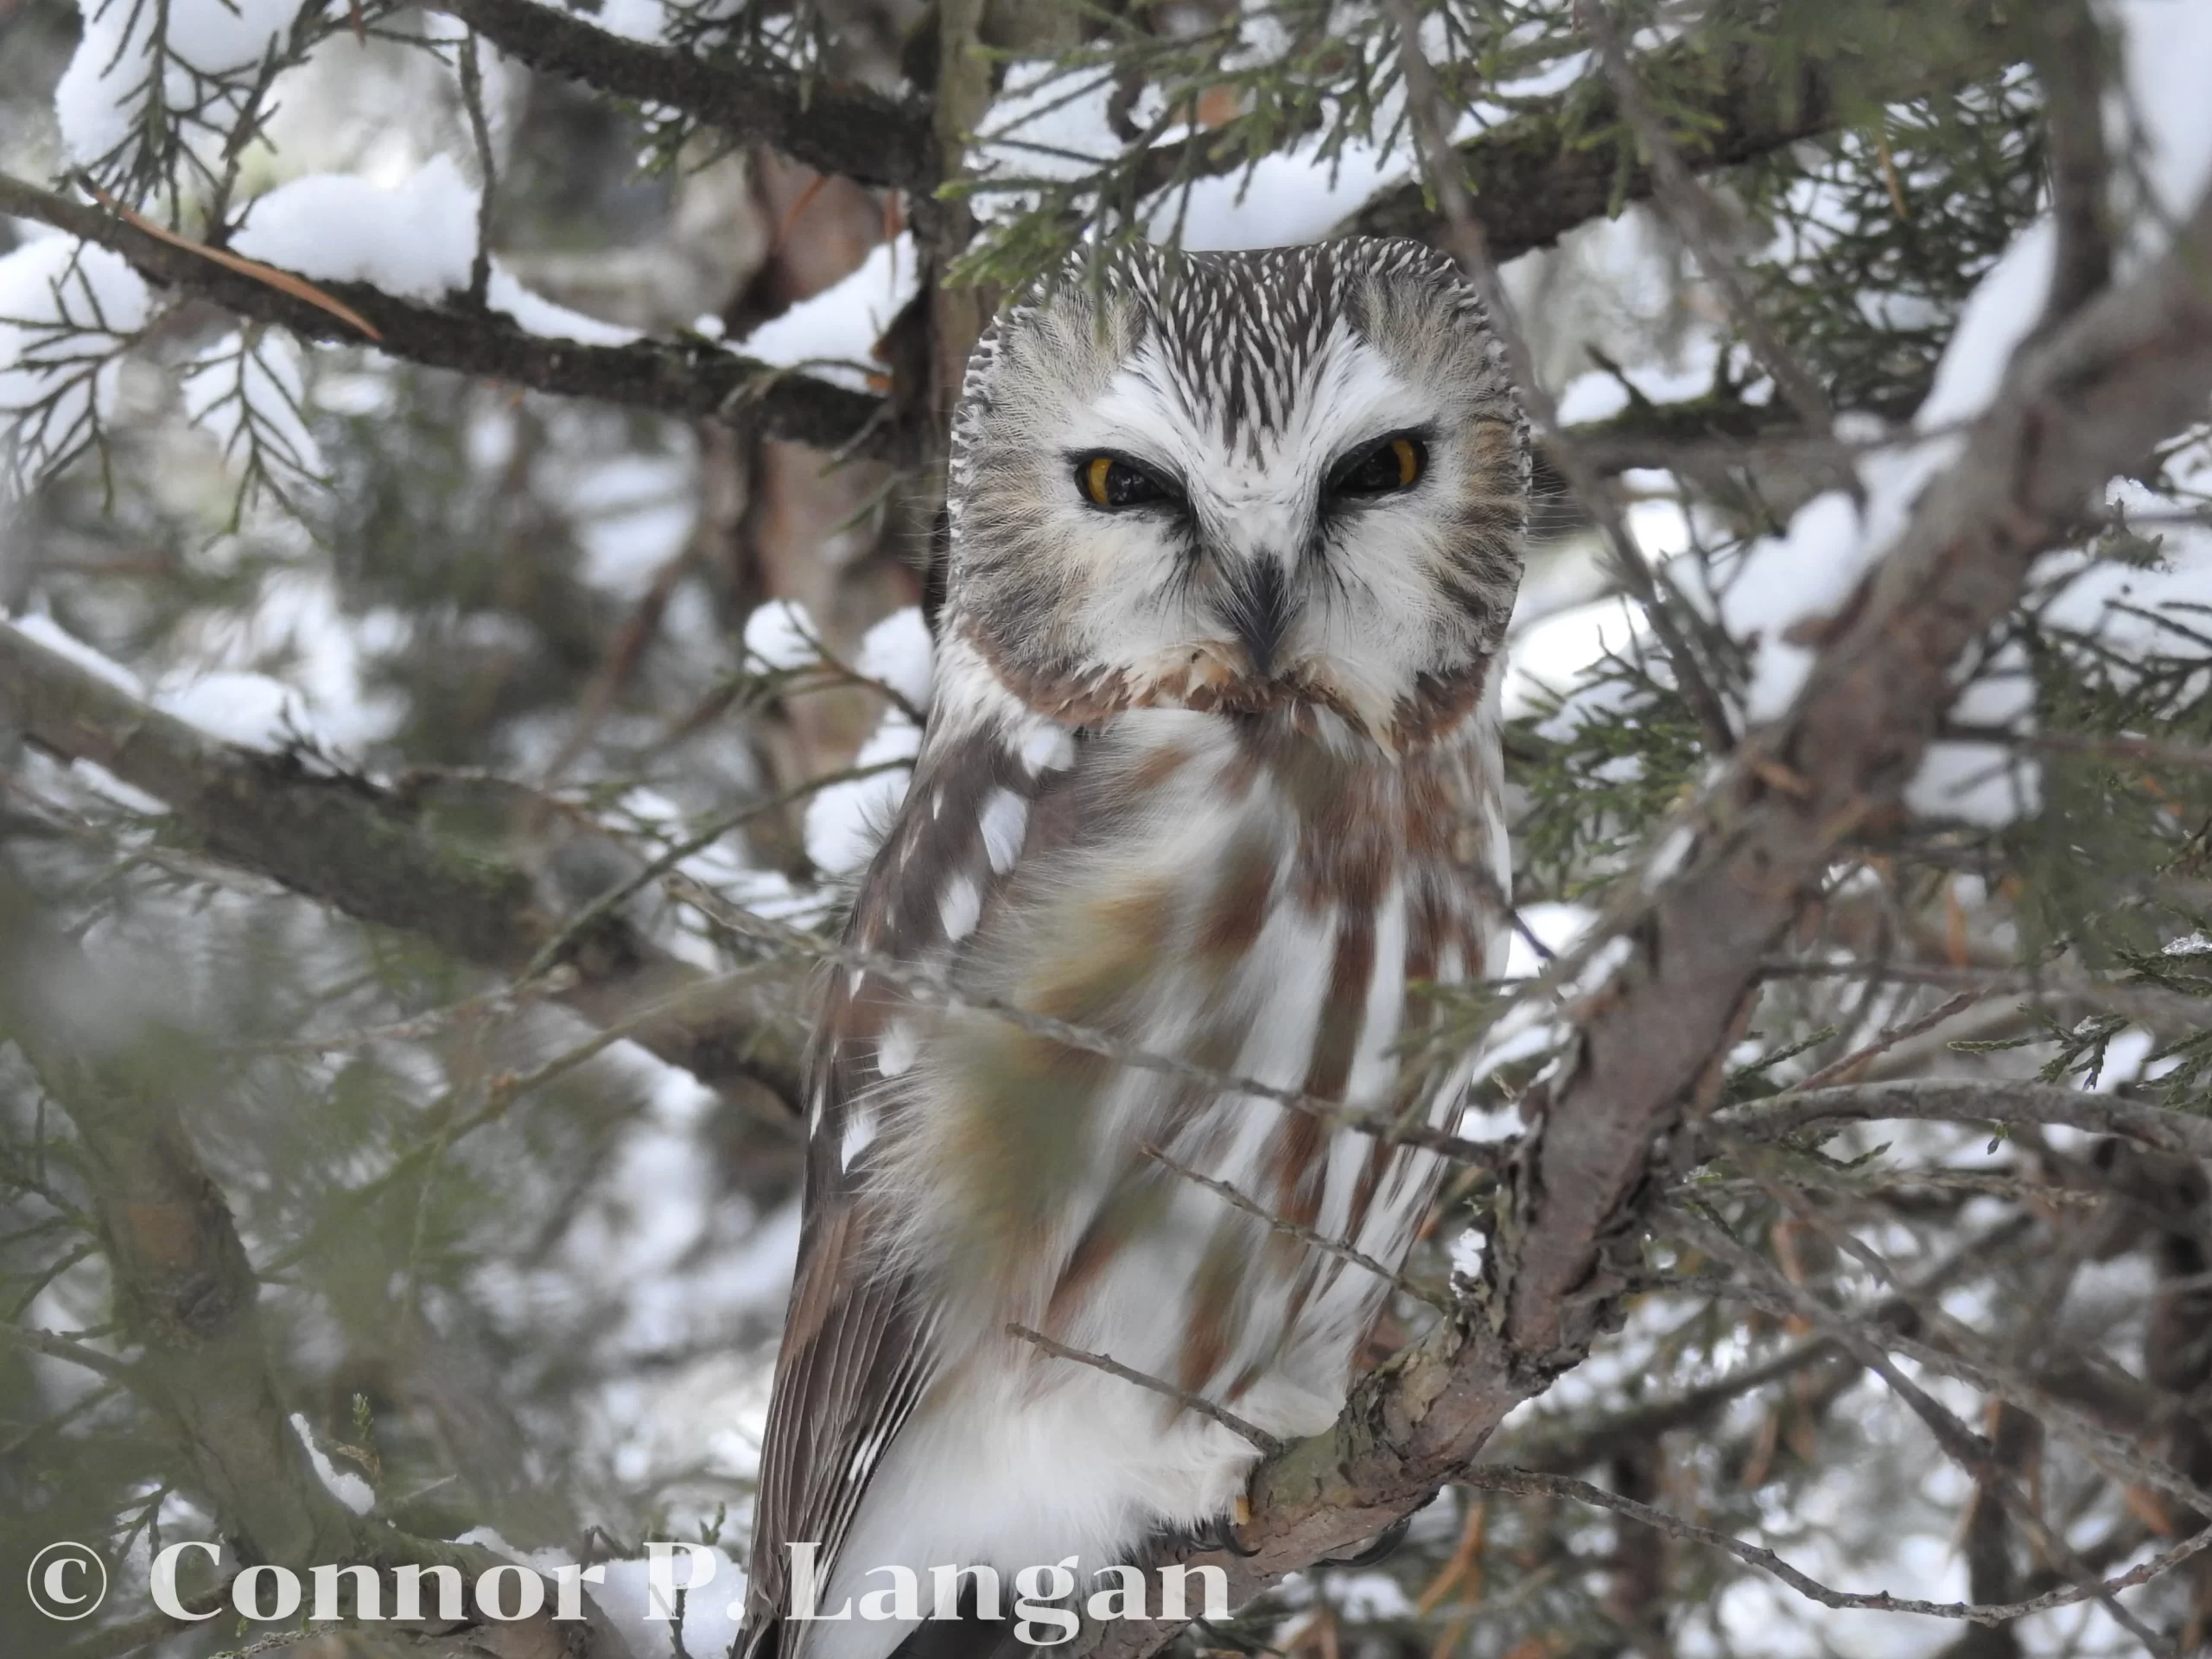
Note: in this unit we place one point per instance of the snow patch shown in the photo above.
(833, 334)
(415, 239)
(779, 636)
(1808, 572)
(45, 630)
(899, 652)
(349, 1489)
(101, 92)
(251, 711)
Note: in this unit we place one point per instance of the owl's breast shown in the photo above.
(1208, 912)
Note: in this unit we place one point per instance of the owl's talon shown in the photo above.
(1220, 1532)
(1386, 1541)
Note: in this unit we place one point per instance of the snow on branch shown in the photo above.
(833, 126)
(700, 381)
(1535, 175)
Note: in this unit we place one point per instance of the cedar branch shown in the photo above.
(388, 857)
(700, 383)
(833, 126)
(1536, 175)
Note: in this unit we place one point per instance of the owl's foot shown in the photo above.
(1386, 1541)
(1219, 1531)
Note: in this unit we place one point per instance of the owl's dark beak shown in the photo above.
(1258, 609)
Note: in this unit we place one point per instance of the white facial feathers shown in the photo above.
(1237, 391)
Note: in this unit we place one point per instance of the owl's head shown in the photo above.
(1241, 481)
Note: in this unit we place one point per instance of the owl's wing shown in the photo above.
(858, 1340)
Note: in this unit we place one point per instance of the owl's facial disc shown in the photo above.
(1285, 477)
(1249, 565)
(1256, 593)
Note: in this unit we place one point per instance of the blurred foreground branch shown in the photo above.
(382, 855)
(186, 1299)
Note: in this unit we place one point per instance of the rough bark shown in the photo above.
(833, 126)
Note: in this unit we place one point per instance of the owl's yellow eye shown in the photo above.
(1393, 465)
(1110, 481)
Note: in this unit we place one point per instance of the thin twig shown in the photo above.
(1528, 1482)
(1961, 1444)
(1268, 1444)
(1697, 217)
(68, 1414)
(574, 927)
(479, 130)
(55, 1346)
(1979, 1100)
(1297, 1231)
(932, 989)
(1847, 1069)
(500, 1003)
(2158, 751)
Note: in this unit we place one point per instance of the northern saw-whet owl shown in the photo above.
(1213, 767)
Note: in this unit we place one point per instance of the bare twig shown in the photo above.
(379, 855)
(55, 1346)
(1979, 1100)
(1268, 1444)
(1961, 1444)
(1527, 1483)
(1850, 1065)
(479, 131)
(1699, 221)
(1297, 1231)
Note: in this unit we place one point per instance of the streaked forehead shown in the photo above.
(1243, 336)
(1292, 419)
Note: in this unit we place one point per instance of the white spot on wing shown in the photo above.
(859, 1131)
(1005, 815)
(896, 1050)
(961, 907)
(1047, 748)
